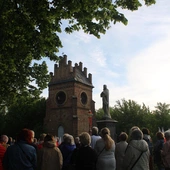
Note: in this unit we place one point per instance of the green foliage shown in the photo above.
(128, 113)
(25, 112)
(99, 114)
(162, 115)
(29, 31)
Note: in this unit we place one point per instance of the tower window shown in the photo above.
(84, 98)
(60, 97)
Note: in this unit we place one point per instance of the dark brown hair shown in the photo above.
(25, 135)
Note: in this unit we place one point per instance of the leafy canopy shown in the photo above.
(29, 31)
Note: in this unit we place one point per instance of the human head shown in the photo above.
(145, 131)
(64, 136)
(42, 136)
(159, 135)
(167, 135)
(77, 140)
(136, 134)
(33, 135)
(49, 137)
(105, 131)
(25, 135)
(85, 138)
(68, 139)
(95, 130)
(4, 139)
(123, 136)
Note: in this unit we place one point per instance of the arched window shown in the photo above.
(60, 132)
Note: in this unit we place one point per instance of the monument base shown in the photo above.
(110, 124)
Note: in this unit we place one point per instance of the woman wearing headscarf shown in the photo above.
(49, 156)
(105, 148)
(137, 152)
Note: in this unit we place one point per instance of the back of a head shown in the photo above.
(123, 136)
(4, 139)
(42, 136)
(85, 139)
(48, 137)
(25, 135)
(105, 134)
(136, 134)
(95, 130)
(167, 135)
(145, 131)
(159, 135)
(105, 131)
(68, 139)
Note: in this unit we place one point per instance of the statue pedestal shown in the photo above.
(110, 124)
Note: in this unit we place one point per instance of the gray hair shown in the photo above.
(4, 138)
(95, 130)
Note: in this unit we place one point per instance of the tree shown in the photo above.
(29, 31)
(128, 113)
(25, 112)
(162, 115)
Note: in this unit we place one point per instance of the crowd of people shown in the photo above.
(96, 151)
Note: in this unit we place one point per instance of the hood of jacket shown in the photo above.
(49, 144)
(140, 145)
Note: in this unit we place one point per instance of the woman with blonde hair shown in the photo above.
(105, 148)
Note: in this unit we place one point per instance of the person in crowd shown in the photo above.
(137, 152)
(157, 150)
(57, 140)
(85, 156)
(120, 150)
(94, 136)
(21, 155)
(77, 142)
(148, 139)
(130, 132)
(2, 152)
(4, 141)
(41, 140)
(49, 156)
(105, 148)
(63, 139)
(11, 141)
(67, 147)
(74, 154)
(33, 141)
(165, 153)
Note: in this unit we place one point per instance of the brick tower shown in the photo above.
(69, 105)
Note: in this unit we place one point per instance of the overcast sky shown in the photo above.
(133, 60)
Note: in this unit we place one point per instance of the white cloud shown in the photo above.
(133, 60)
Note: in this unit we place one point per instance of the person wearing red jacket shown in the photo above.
(2, 152)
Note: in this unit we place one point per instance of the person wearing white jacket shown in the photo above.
(137, 153)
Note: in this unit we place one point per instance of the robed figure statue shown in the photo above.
(105, 98)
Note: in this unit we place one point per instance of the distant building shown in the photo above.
(69, 104)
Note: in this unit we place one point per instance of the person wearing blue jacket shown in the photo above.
(21, 155)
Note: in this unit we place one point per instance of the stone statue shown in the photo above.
(105, 97)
